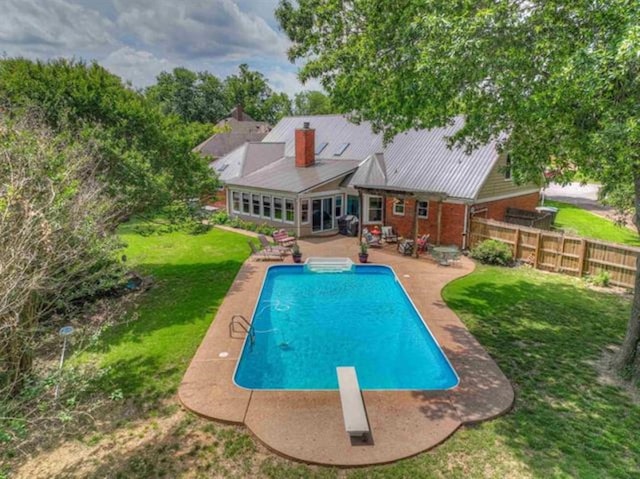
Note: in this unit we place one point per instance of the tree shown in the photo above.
(556, 83)
(312, 102)
(251, 90)
(145, 158)
(56, 221)
(195, 97)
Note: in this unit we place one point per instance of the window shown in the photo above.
(304, 212)
(266, 207)
(235, 201)
(277, 209)
(375, 209)
(338, 203)
(289, 210)
(340, 150)
(255, 202)
(423, 209)
(246, 199)
(221, 168)
(398, 207)
(507, 170)
(320, 147)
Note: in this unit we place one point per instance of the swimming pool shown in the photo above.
(308, 323)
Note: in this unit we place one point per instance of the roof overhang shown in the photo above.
(402, 193)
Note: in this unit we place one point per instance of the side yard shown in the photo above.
(547, 332)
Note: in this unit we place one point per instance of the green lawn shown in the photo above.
(544, 331)
(575, 220)
(192, 273)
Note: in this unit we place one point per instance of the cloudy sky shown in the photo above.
(137, 39)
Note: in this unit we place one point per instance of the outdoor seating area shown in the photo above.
(263, 254)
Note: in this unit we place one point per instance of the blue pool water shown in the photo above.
(307, 323)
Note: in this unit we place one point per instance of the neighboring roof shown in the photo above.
(283, 175)
(234, 135)
(418, 160)
(246, 159)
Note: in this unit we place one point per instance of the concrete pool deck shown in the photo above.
(308, 425)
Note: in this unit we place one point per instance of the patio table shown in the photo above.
(445, 254)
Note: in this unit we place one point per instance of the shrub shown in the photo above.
(220, 218)
(602, 279)
(493, 252)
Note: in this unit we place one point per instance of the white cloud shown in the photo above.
(199, 28)
(287, 81)
(137, 66)
(54, 25)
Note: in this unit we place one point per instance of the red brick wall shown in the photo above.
(305, 147)
(497, 209)
(452, 227)
(219, 199)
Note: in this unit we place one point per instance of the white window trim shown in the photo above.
(335, 206)
(281, 219)
(368, 207)
(396, 203)
(270, 206)
(424, 217)
(259, 213)
(243, 212)
(307, 201)
(233, 209)
(284, 210)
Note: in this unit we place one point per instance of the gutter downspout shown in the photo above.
(465, 230)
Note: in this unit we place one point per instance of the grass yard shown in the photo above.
(546, 332)
(576, 220)
(192, 273)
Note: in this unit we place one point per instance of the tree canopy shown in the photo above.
(142, 155)
(312, 102)
(555, 82)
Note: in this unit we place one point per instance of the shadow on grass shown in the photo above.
(543, 336)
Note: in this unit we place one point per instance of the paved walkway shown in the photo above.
(308, 425)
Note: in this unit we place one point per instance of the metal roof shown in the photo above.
(246, 159)
(234, 133)
(283, 175)
(418, 160)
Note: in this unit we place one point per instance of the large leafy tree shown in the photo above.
(250, 89)
(143, 156)
(559, 77)
(312, 102)
(194, 96)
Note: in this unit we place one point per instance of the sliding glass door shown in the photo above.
(322, 214)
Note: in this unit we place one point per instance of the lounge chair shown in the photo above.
(423, 243)
(370, 240)
(263, 255)
(388, 235)
(266, 246)
(282, 238)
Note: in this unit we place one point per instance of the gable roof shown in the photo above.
(246, 159)
(417, 160)
(234, 134)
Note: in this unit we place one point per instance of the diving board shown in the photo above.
(353, 412)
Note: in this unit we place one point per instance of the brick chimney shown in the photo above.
(305, 146)
(238, 113)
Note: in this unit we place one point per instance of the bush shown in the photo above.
(602, 279)
(493, 252)
(220, 218)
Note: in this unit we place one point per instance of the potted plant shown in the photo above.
(363, 255)
(296, 254)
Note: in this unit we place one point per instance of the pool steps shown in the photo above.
(328, 265)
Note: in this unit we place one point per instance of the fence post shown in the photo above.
(581, 259)
(560, 254)
(537, 256)
(516, 240)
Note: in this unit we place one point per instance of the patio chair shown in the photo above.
(388, 235)
(370, 240)
(282, 238)
(263, 255)
(423, 243)
(266, 246)
(405, 247)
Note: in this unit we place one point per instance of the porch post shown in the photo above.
(439, 221)
(384, 209)
(415, 227)
(361, 218)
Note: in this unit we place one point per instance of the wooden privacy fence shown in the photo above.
(557, 252)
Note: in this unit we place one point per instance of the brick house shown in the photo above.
(309, 171)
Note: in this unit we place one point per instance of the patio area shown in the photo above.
(308, 425)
